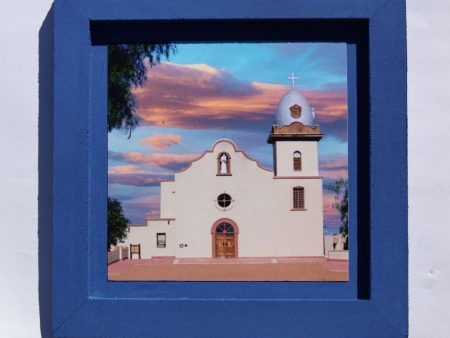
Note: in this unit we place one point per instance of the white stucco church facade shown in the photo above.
(225, 204)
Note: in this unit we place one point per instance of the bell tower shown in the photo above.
(295, 137)
(295, 149)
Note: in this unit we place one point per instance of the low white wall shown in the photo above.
(118, 253)
(328, 244)
(124, 253)
(114, 255)
(338, 255)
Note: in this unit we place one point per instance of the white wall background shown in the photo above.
(429, 166)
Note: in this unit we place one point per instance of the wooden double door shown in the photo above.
(225, 245)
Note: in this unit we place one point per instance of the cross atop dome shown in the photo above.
(293, 78)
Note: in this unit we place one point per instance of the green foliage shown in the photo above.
(117, 223)
(127, 69)
(340, 188)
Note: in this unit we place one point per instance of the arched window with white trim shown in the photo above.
(297, 158)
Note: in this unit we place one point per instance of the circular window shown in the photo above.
(224, 200)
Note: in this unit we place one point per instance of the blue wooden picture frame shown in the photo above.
(75, 296)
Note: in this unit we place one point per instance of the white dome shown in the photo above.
(287, 112)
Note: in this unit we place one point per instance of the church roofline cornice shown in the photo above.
(226, 140)
(296, 131)
(274, 137)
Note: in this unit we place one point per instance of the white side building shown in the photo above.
(227, 205)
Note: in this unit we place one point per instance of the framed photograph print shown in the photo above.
(186, 187)
(223, 169)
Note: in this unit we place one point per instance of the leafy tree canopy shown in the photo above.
(117, 222)
(340, 188)
(126, 68)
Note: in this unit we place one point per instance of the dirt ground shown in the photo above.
(238, 269)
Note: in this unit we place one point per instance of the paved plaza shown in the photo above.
(234, 269)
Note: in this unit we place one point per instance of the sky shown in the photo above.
(208, 91)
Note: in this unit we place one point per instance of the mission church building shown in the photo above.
(225, 204)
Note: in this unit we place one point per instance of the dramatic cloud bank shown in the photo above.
(334, 167)
(203, 97)
(135, 176)
(136, 180)
(158, 160)
(139, 208)
(161, 141)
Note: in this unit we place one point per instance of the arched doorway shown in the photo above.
(224, 234)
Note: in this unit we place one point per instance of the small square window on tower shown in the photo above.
(160, 240)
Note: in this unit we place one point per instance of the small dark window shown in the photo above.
(225, 228)
(297, 161)
(160, 240)
(299, 198)
(224, 200)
